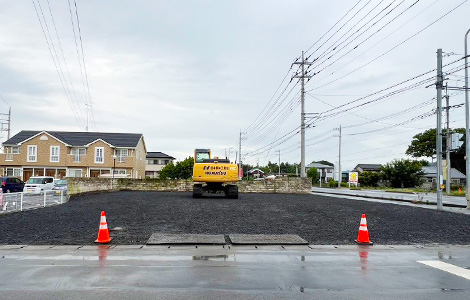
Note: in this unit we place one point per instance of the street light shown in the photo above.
(467, 129)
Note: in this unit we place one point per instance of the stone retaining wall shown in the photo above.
(288, 185)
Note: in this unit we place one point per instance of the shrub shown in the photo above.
(332, 183)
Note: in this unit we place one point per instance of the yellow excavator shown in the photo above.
(214, 175)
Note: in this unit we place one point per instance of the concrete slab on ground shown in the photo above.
(162, 238)
(267, 239)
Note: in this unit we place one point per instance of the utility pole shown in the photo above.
(467, 128)
(240, 157)
(439, 84)
(302, 113)
(87, 112)
(449, 141)
(339, 158)
(8, 123)
(279, 153)
(229, 152)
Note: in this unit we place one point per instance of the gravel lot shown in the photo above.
(318, 219)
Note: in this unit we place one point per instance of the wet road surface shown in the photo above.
(235, 272)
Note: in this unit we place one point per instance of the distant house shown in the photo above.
(156, 161)
(325, 172)
(73, 154)
(367, 167)
(430, 177)
(256, 173)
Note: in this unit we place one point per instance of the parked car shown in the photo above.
(60, 186)
(12, 184)
(38, 184)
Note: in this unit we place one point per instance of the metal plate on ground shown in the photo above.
(267, 239)
(162, 238)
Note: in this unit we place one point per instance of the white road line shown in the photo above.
(447, 268)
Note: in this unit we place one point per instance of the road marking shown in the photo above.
(447, 268)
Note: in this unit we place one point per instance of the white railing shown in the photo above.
(11, 202)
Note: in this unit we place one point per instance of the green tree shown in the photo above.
(313, 173)
(168, 171)
(403, 173)
(368, 178)
(424, 145)
(182, 170)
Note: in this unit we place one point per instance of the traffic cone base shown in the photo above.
(363, 243)
(103, 232)
(363, 237)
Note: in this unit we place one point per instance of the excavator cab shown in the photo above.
(201, 154)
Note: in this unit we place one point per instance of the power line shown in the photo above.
(393, 48)
(377, 43)
(56, 67)
(325, 53)
(84, 66)
(62, 52)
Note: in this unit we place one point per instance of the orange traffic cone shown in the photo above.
(460, 191)
(103, 233)
(363, 236)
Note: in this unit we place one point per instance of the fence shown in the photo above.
(12, 202)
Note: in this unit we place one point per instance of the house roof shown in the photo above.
(431, 171)
(318, 166)
(158, 155)
(80, 138)
(368, 166)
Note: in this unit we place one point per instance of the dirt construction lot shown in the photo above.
(318, 219)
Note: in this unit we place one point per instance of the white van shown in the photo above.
(38, 184)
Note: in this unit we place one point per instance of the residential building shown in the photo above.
(156, 161)
(430, 176)
(256, 173)
(367, 167)
(73, 154)
(325, 172)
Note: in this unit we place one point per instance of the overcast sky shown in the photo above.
(193, 74)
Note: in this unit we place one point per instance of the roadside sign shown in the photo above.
(353, 177)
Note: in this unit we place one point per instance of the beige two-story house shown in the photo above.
(74, 154)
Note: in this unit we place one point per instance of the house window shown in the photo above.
(121, 154)
(119, 171)
(78, 153)
(55, 152)
(15, 150)
(99, 155)
(329, 171)
(75, 173)
(15, 172)
(32, 153)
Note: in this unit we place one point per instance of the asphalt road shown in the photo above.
(134, 216)
(240, 272)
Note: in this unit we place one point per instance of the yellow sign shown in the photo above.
(353, 177)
